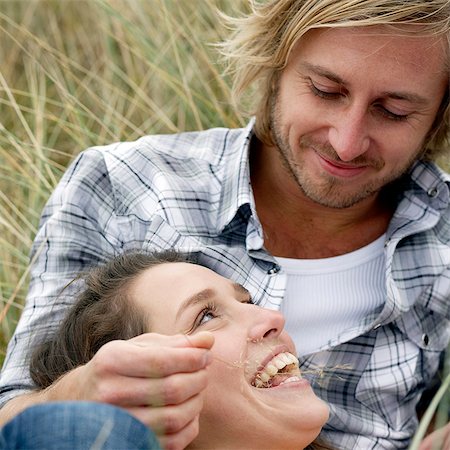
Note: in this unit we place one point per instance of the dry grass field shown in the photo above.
(86, 72)
(76, 73)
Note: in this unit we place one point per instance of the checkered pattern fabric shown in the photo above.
(192, 192)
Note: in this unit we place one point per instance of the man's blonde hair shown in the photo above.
(262, 40)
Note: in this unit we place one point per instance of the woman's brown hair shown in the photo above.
(103, 312)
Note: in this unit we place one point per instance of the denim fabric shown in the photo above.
(76, 425)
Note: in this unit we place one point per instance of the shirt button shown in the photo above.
(425, 339)
(432, 192)
(273, 270)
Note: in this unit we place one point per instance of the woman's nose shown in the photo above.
(348, 134)
(265, 323)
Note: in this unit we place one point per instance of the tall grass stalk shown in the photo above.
(88, 72)
(437, 410)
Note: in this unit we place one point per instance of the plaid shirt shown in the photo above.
(192, 192)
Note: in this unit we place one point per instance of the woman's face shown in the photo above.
(256, 397)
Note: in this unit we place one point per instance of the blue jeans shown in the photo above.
(76, 426)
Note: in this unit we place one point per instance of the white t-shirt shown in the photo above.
(327, 296)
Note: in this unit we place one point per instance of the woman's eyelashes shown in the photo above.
(208, 313)
(211, 311)
(330, 94)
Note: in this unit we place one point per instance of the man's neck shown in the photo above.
(297, 227)
(312, 236)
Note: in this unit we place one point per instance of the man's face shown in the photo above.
(353, 108)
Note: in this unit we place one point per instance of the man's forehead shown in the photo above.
(401, 44)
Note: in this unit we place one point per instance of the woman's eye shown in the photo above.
(208, 313)
(205, 316)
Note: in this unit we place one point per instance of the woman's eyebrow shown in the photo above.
(196, 298)
(205, 295)
(239, 289)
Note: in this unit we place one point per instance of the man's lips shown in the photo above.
(340, 169)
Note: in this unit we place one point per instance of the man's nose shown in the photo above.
(265, 323)
(349, 134)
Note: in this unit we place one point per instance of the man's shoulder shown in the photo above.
(188, 171)
(209, 147)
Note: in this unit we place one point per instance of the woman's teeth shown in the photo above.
(280, 369)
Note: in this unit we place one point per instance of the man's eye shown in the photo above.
(390, 115)
(324, 94)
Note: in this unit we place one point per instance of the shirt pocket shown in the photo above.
(429, 330)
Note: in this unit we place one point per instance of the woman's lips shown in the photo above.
(269, 354)
(280, 369)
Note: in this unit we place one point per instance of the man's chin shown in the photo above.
(335, 196)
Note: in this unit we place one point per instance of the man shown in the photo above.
(326, 206)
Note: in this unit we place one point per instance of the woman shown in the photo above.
(255, 397)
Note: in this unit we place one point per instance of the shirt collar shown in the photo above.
(236, 188)
(237, 191)
(429, 176)
(429, 179)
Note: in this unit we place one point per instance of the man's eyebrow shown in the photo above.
(397, 95)
(194, 299)
(323, 72)
(408, 96)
